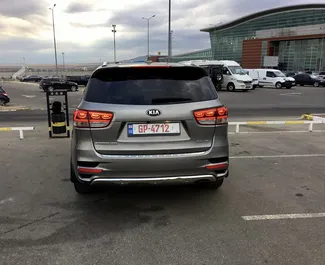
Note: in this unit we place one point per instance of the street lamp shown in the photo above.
(63, 62)
(171, 43)
(169, 29)
(114, 31)
(148, 19)
(321, 50)
(56, 58)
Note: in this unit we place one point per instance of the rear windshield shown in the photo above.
(150, 86)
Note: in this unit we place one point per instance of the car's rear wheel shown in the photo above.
(231, 87)
(73, 88)
(81, 188)
(2, 102)
(213, 185)
(316, 84)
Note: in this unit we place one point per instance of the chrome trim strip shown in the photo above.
(162, 180)
(171, 180)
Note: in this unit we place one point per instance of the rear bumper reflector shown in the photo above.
(85, 170)
(217, 166)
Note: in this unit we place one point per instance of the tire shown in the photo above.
(219, 77)
(260, 86)
(73, 89)
(50, 89)
(288, 87)
(2, 102)
(254, 87)
(316, 84)
(278, 85)
(81, 188)
(213, 185)
(231, 87)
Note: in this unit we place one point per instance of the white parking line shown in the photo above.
(29, 96)
(6, 200)
(277, 156)
(287, 94)
(283, 216)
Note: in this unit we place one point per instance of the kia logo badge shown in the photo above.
(153, 112)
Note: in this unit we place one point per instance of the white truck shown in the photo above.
(234, 76)
(272, 77)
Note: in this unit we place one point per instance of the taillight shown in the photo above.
(91, 119)
(5, 94)
(212, 116)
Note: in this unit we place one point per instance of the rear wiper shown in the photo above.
(169, 100)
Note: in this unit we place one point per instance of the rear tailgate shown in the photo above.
(153, 110)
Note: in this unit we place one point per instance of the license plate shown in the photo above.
(248, 86)
(153, 129)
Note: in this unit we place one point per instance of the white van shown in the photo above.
(234, 76)
(254, 75)
(272, 77)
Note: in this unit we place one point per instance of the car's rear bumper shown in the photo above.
(174, 180)
(94, 168)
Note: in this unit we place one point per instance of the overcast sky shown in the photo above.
(83, 29)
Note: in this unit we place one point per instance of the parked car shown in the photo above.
(306, 79)
(4, 98)
(81, 80)
(234, 76)
(152, 123)
(51, 84)
(272, 78)
(31, 78)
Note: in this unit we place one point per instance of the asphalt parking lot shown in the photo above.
(250, 220)
(28, 103)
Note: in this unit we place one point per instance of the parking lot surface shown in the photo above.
(43, 220)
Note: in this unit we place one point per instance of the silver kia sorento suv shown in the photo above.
(149, 123)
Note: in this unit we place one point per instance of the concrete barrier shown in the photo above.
(310, 123)
(20, 129)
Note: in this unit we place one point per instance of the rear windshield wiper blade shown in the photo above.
(169, 100)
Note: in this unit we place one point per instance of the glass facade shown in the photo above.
(196, 55)
(304, 54)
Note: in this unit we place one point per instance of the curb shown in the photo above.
(22, 83)
(10, 110)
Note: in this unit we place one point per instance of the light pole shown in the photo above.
(321, 50)
(169, 29)
(114, 31)
(63, 62)
(56, 58)
(148, 19)
(171, 43)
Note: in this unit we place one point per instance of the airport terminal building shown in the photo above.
(292, 35)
